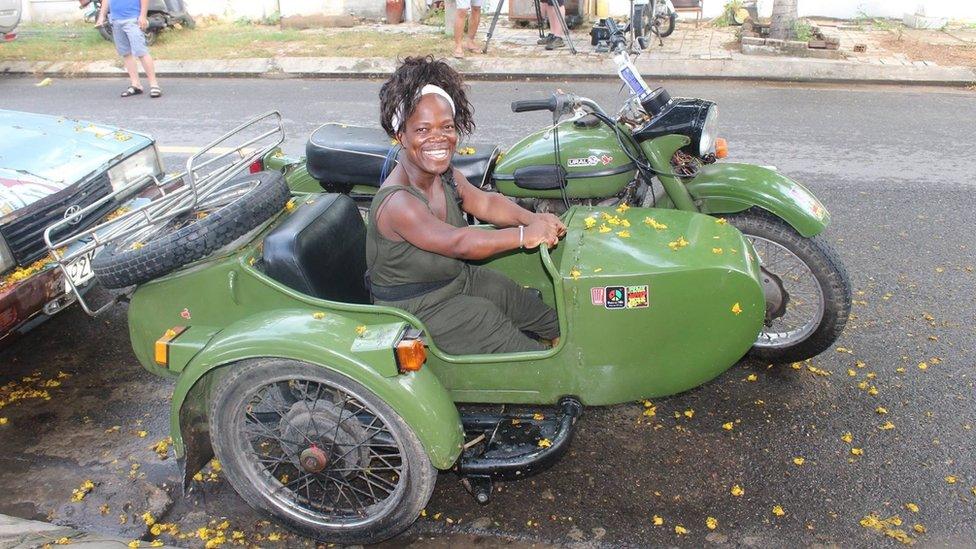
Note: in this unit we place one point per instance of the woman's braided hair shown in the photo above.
(410, 77)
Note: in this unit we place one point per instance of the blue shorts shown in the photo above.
(129, 38)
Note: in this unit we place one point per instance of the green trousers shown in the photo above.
(482, 311)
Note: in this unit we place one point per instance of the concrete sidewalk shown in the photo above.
(18, 533)
(693, 52)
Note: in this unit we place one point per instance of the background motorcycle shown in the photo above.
(161, 14)
(654, 18)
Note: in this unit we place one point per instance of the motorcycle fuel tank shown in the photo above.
(590, 156)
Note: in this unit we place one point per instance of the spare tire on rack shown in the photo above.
(219, 218)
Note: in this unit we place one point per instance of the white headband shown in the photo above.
(429, 88)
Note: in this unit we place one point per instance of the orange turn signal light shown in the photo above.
(410, 355)
(161, 349)
(721, 147)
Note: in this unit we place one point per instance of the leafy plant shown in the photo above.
(728, 10)
(434, 17)
(803, 30)
(271, 19)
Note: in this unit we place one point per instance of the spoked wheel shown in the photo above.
(220, 217)
(808, 294)
(318, 451)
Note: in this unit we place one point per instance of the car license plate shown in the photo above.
(79, 271)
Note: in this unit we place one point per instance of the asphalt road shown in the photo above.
(892, 164)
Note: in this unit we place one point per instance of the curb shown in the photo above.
(738, 67)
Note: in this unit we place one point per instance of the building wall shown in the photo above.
(67, 10)
(842, 9)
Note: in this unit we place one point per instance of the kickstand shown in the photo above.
(479, 487)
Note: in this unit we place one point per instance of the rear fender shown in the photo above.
(329, 342)
(730, 188)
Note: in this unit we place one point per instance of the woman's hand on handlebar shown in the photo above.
(541, 231)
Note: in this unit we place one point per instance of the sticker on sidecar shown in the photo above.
(588, 161)
(620, 297)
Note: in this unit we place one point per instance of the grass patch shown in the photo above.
(81, 42)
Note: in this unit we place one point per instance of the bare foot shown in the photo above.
(458, 53)
(471, 46)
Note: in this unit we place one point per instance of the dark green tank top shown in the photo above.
(393, 263)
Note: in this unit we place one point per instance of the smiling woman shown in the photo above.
(418, 241)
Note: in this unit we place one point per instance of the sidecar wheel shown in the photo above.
(815, 279)
(336, 464)
(220, 217)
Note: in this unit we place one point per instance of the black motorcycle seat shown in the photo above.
(320, 250)
(354, 155)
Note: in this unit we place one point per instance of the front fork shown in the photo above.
(659, 152)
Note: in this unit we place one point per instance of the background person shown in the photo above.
(462, 15)
(557, 34)
(417, 240)
(128, 19)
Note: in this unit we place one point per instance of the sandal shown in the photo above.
(155, 92)
(459, 54)
(131, 90)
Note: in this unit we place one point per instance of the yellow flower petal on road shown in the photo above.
(778, 510)
(680, 530)
(911, 507)
(844, 350)
(689, 413)
(951, 479)
(752, 377)
(141, 434)
(872, 390)
(922, 366)
(711, 523)
(134, 543)
(857, 451)
(3, 421)
(727, 426)
(881, 410)
(851, 372)
(887, 426)
(545, 443)
(799, 461)
(737, 490)
(658, 521)
(43, 83)
(847, 437)
(736, 309)
(919, 528)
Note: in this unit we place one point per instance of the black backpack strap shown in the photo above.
(448, 178)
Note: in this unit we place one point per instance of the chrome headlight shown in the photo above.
(135, 169)
(709, 131)
(6, 257)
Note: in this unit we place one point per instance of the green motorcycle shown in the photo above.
(659, 152)
(333, 414)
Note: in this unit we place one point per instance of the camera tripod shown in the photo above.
(538, 18)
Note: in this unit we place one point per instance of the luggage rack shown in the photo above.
(178, 194)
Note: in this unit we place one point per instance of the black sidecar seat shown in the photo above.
(354, 155)
(320, 250)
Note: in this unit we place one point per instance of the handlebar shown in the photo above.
(557, 103)
(527, 105)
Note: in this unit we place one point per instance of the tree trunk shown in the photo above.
(784, 16)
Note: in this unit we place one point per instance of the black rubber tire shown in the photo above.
(638, 21)
(668, 29)
(230, 394)
(826, 267)
(167, 251)
(188, 21)
(106, 32)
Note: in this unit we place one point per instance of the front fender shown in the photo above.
(730, 188)
(330, 342)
